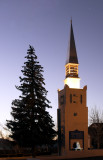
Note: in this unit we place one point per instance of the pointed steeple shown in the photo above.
(72, 55)
(72, 60)
(71, 68)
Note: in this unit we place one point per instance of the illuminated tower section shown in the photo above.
(71, 67)
(72, 108)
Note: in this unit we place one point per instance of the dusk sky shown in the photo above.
(45, 24)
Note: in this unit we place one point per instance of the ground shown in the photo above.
(49, 158)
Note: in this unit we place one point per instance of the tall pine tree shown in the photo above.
(31, 123)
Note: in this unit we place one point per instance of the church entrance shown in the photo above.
(76, 140)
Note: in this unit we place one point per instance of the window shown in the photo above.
(81, 99)
(62, 99)
(75, 114)
(70, 98)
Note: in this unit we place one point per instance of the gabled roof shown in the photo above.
(95, 125)
(72, 54)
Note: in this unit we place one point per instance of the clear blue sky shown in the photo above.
(45, 24)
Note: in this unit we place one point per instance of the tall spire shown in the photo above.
(72, 60)
(71, 67)
(72, 55)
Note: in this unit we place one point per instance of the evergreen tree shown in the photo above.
(31, 123)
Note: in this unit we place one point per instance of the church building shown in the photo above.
(72, 108)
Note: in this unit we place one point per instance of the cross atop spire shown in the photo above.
(72, 55)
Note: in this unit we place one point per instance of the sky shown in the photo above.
(45, 24)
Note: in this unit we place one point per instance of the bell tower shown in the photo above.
(72, 108)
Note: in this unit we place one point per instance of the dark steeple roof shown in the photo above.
(72, 55)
